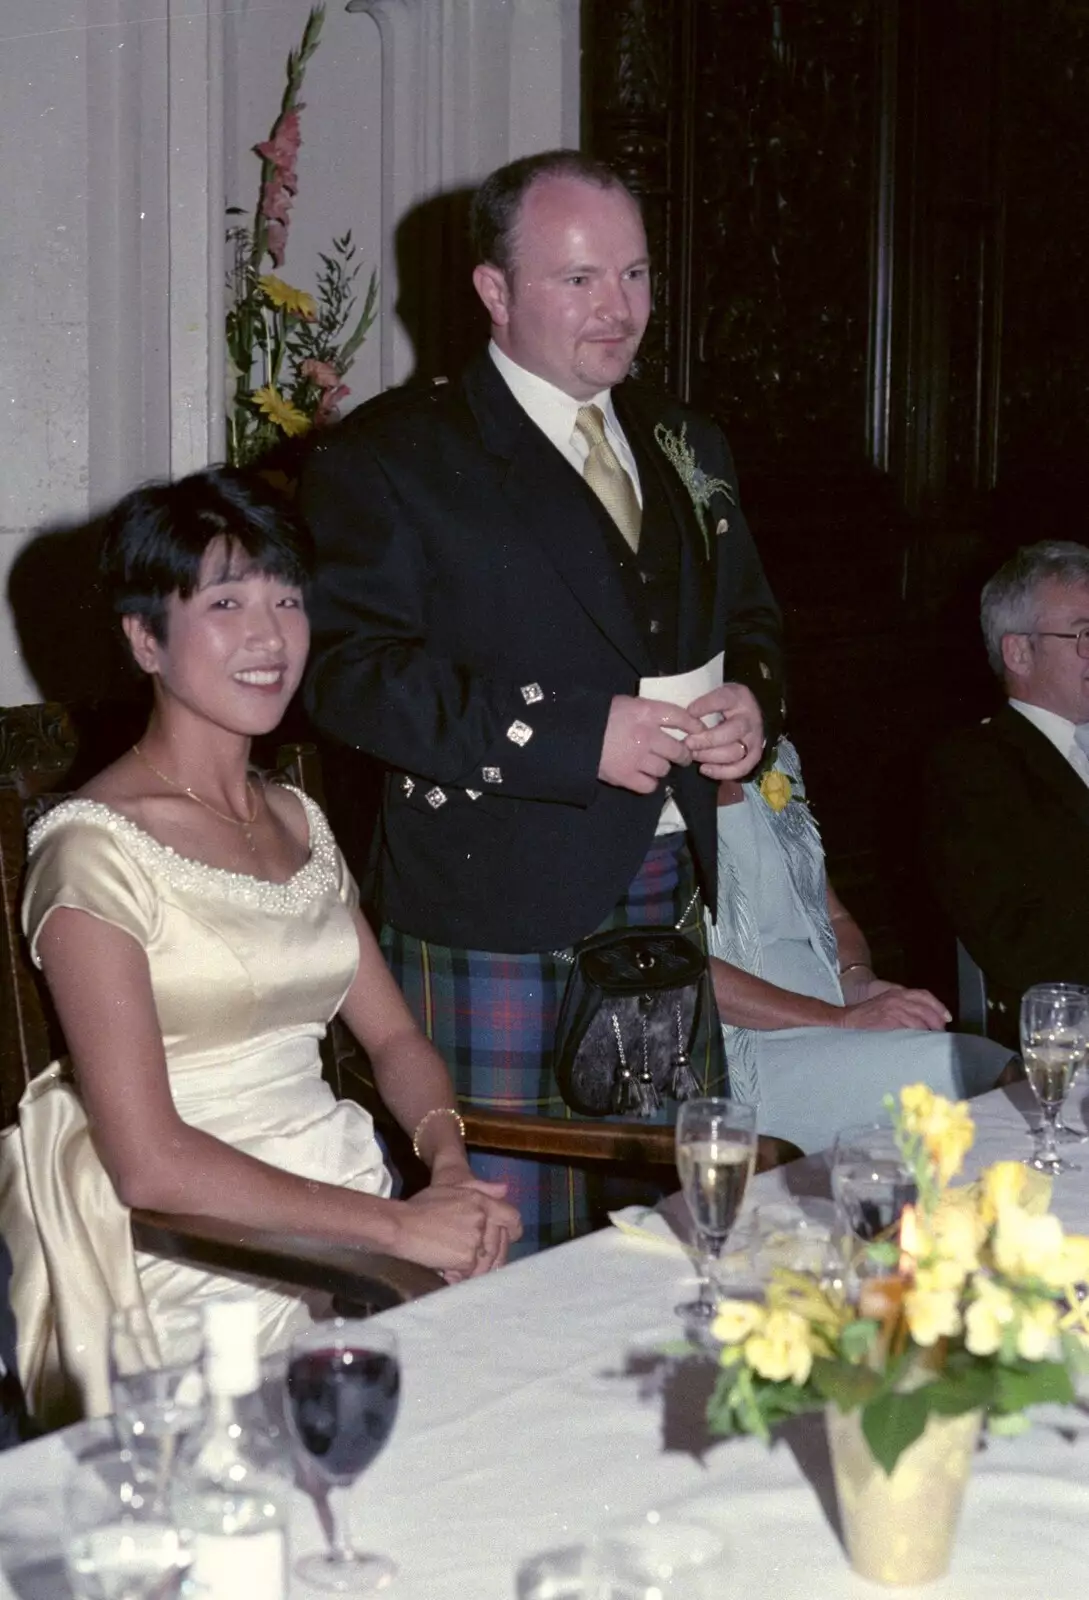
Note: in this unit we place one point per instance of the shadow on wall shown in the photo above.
(70, 644)
(436, 303)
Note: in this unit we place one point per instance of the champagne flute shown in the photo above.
(1066, 1133)
(343, 1388)
(716, 1151)
(1054, 1033)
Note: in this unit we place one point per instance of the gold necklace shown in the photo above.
(245, 823)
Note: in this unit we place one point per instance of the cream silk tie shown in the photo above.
(606, 477)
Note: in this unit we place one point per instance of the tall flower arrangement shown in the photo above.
(288, 350)
(977, 1305)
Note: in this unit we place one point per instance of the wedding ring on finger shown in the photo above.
(744, 748)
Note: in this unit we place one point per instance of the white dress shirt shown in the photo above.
(555, 413)
(1060, 732)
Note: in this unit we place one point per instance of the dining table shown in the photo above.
(544, 1402)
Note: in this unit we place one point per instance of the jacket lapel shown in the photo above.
(1047, 763)
(549, 502)
(695, 596)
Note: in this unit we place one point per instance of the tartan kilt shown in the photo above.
(492, 1017)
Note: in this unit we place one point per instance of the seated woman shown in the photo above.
(198, 929)
(811, 1035)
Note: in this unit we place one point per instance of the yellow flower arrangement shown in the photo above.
(981, 1307)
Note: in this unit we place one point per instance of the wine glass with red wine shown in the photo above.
(343, 1387)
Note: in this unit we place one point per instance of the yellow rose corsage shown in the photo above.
(776, 789)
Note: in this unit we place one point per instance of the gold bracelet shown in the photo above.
(436, 1111)
(853, 966)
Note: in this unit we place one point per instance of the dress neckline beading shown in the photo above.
(317, 874)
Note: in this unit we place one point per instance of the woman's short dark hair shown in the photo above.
(497, 204)
(155, 540)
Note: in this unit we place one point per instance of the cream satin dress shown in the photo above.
(246, 975)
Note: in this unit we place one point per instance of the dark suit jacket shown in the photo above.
(468, 593)
(1007, 843)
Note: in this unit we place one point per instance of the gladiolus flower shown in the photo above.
(327, 411)
(271, 403)
(282, 147)
(296, 302)
(323, 373)
(276, 200)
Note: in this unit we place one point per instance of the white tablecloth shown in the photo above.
(521, 1429)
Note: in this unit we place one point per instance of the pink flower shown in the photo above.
(282, 148)
(276, 200)
(276, 239)
(323, 373)
(327, 406)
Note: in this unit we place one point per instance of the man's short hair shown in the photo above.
(1007, 604)
(497, 203)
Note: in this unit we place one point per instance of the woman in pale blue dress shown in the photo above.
(812, 1036)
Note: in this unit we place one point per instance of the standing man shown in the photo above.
(1007, 806)
(502, 560)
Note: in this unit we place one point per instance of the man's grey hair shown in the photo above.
(1008, 602)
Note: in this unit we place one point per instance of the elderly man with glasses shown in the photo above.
(1007, 806)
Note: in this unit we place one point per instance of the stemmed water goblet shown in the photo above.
(716, 1151)
(1054, 1039)
(343, 1388)
(871, 1183)
(156, 1403)
(118, 1543)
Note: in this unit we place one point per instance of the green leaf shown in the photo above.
(1031, 1383)
(892, 1422)
(847, 1386)
(885, 1253)
(857, 1338)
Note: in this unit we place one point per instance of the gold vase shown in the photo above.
(899, 1527)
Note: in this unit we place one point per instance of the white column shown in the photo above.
(466, 86)
(196, 227)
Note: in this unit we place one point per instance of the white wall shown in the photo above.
(126, 128)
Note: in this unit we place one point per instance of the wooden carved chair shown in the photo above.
(38, 747)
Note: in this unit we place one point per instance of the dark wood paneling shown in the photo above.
(872, 237)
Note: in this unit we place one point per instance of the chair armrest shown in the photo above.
(361, 1277)
(648, 1144)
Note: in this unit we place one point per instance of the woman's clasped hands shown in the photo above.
(461, 1226)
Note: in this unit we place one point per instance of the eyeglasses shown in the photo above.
(1082, 637)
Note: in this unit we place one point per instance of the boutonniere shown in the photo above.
(701, 487)
(776, 787)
